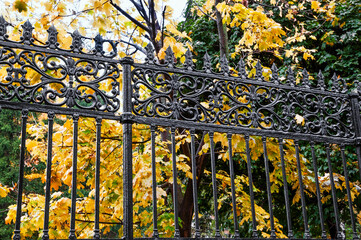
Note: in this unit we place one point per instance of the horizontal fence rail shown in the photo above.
(218, 154)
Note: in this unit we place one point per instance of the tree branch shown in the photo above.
(136, 22)
(141, 10)
(137, 47)
(200, 9)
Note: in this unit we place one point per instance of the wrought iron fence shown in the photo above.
(293, 113)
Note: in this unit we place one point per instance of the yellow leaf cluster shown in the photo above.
(3, 191)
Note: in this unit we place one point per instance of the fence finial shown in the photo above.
(224, 65)
(305, 78)
(290, 77)
(259, 71)
(150, 54)
(188, 63)
(3, 25)
(335, 86)
(169, 57)
(27, 36)
(52, 37)
(98, 45)
(242, 69)
(77, 43)
(207, 66)
(321, 81)
(275, 77)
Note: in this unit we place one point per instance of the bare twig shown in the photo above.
(136, 22)
(200, 9)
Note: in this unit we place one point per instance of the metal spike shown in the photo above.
(335, 86)
(150, 54)
(321, 81)
(242, 69)
(207, 66)
(77, 42)
(305, 78)
(3, 25)
(275, 77)
(188, 64)
(52, 37)
(259, 71)
(99, 44)
(169, 57)
(291, 77)
(224, 65)
(27, 36)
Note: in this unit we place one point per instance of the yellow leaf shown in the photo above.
(306, 56)
(11, 215)
(3, 191)
(67, 177)
(299, 119)
(97, 5)
(315, 5)
(33, 176)
(48, 6)
(61, 7)
(107, 8)
(31, 144)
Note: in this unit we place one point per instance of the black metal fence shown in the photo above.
(317, 124)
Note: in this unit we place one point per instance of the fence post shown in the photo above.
(126, 119)
(356, 118)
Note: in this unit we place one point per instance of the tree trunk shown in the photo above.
(222, 33)
(186, 209)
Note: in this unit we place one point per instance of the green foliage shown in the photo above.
(9, 153)
(340, 51)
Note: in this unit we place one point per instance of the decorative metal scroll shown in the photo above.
(47, 74)
(184, 93)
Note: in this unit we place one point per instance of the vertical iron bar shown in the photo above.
(250, 183)
(348, 192)
(175, 185)
(24, 119)
(233, 188)
(214, 185)
(97, 178)
(285, 190)
(127, 121)
(333, 191)
(356, 117)
(270, 206)
(358, 153)
(194, 182)
(72, 235)
(154, 184)
(318, 192)
(307, 234)
(48, 176)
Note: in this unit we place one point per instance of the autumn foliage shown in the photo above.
(261, 33)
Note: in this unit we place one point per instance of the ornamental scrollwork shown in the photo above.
(53, 79)
(288, 104)
(185, 95)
